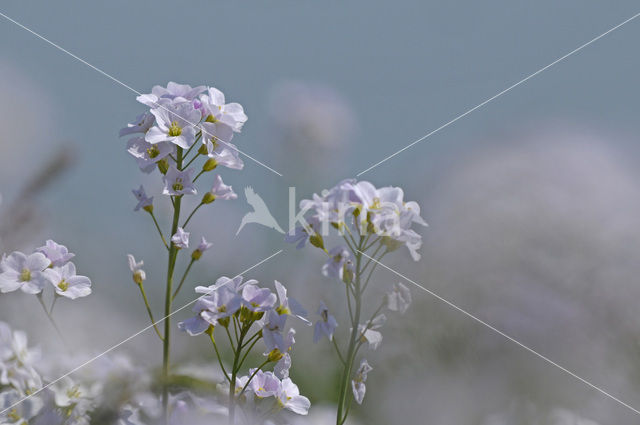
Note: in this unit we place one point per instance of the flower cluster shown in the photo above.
(48, 265)
(248, 308)
(372, 222)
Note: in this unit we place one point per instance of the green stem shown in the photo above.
(247, 352)
(335, 344)
(164, 241)
(350, 357)
(53, 322)
(215, 346)
(198, 175)
(234, 374)
(166, 343)
(191, 215)
(184, 276)
(149, 312)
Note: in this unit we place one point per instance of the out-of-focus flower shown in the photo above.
(358, 382)
(178, 182)
(221, 190)
(23, 272)
(67, 283)
(326, 326)
(258, 299)
(58, 254)
(339, 259)
(289, 398)
(368, 332)
(264, 384)
(289, 306)
(398, 298)
(180, 238)
(136, 269)
(144, 202)
(20, 411)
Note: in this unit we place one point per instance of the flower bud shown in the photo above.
(347, 274)
(275, 355)
(202, 150)
(209, 331)
(163, 165)
(224, 321)
(316, 240)
(209, 165)
(148, 208)
(195, 255)
(139, 276)
(208, 198)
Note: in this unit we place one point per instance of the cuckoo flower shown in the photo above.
(178, 182)
(175, 123)
(67, 283)
(23, 272)
(326, 326)
(58, 254)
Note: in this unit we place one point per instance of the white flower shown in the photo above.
(264, 384)
(221, 190)
(58, 254)
(175, 92)
(66, 283)
(146, 154)
(272, 327)
(20, 410)
(215, 110)
(178, 182)
(289, 306)
(23, 272)
(339, 260)
(174, 123)
(225, 154)
(289, 398)
(141, 124)
(326, 326)
(180, 238)
(143, 201)
(258, 299)
(399, 298)
(357, 384)
(368, 331)
(136, 269)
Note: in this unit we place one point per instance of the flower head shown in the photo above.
(58, 254)
(174, 123)
(174, 92)
(215, 110)
(146, 154)
(368, 332)
(221, 190)
(289, 398)
(23, 272)
(141, 124)
(136, 269)
(144, 202)
(178, 182)
(66, 283)
(399, 298)
(257, 299)
(326, 326)
(180, 238)
(357, 384)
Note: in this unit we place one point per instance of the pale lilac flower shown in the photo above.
(58, 254)
(258, 299)
(23, 272)
(221, 190)
(326, 326)
(289, 398)
(264, 384)
(399, 298)
(368, 332)
(66, 283)
(339, 259)
(143, 201)
(272, 327)
(224, 153)
(357, 384)
(180, 238)
(204, 245)
(197, 325)
(289, 306)
(234, 284)
(174, 92)
(215, 110)
(141, 124)
(216, 131)
(223, 302)
(174, 123)
(178, 182)
(139, 275)
(146, 154)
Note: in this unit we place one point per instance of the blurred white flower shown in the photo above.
(67, 283)
(138, 273)
(58, 254)
(144, 202)
(326, 326)
(23, 272)
(358, 383)
(180, 238)
(398, 298)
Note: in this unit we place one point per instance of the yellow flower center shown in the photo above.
(13, 415)
(282, 310)
(211, 119)
(222, 309)
(153, 151)
(175, 130)
(178, 186)
(63, 285)
(73, 392)
(25, 275)
(376, 203)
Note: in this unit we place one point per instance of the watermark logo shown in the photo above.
(260, 214)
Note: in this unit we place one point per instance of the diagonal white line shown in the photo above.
(480, 105)
(498, 331)
(133, 336)
(112, 78)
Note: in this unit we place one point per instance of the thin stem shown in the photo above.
(164, 241)
(366, 282)
(248, 341)
(146, 304)
(171, 263)
(234, 372)
(366, 248)
(53, 322)
(191, 215)
(231, 343)
(215, 346)
(53, 303)
(335, 344)
(246, 353)
(184, 276)
(192, 159)
(198, 175)
(186, 154)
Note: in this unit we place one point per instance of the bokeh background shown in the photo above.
(533, 201)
